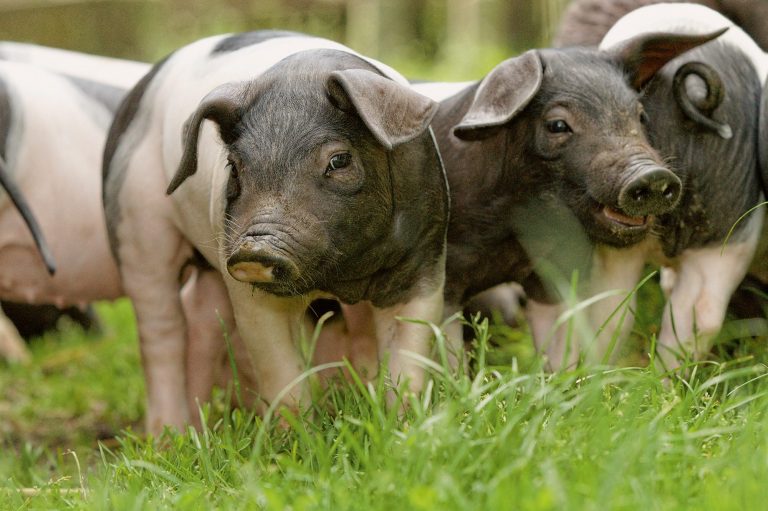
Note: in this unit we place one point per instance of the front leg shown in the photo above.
(555, 342)
(150, 279)
(397, 338)
(614, 275)
(12, 346)
(270, 327)
(209, 317)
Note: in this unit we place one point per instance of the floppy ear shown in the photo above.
(507, 89)
(642, 56)
(224, 105)
(26, 213)
(394, 113)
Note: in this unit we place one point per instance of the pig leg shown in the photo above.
(561, 351)
(150, 276)
(704, 281)
(152, 253)
(359, 344)
(206, 307)
(270, 327)
(351, 337)
(398, 339)
(615, 272)
(454, 338)
(12, 346)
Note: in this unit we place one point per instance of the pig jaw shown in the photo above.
(616, 192)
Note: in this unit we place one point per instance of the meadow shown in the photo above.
(506, 436)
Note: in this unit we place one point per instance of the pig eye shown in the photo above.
(338, 161)
(232, 169)
(233, 183)
(643, 117)
(558, 126)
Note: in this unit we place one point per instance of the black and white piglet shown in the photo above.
(548, 161)
(703, 116)
(297, 169)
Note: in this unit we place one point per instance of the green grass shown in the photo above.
(508, 437)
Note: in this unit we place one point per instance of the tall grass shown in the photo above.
(499, 438)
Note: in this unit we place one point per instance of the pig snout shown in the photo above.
(652, 190)
(257, 262)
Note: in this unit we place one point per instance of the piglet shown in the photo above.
(549, 163)
(702, 112)
(51, 134)
(296, 169)
(102, 80)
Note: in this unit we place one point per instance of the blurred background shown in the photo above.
(436, 39)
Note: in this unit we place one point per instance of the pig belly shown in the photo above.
(23, 278)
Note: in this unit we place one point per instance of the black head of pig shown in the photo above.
(335, 180)
(573, 123)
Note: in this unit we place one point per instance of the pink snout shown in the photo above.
(258, 263)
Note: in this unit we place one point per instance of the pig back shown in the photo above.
(585, 22)
(720, 175)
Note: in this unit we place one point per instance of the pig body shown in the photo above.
(720, 175)
(94, 83)
(548, 165)
(585, 22)
(97, 73)
(316, 176)
(49, 116)
(51, 133)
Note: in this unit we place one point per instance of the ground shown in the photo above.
(508, 436)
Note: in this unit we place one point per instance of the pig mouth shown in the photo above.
(617, 218)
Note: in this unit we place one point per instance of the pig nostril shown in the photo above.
(652, 192)
(251, 264)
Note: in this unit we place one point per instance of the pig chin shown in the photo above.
(610, 225)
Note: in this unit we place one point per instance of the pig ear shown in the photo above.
(507, 89)
(394, 113)
(642, 56)
(224, 105)
(26, 213)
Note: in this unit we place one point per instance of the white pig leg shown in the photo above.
(150, 273)
(454, 338)
(398, 339)
(209, 315)
(359, 344)
(12, 346)
(560, 349)
(615, 272)
(705, 280)
(270, 327)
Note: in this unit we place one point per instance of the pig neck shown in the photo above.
(483, 249)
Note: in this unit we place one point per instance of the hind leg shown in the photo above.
(704, 281)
